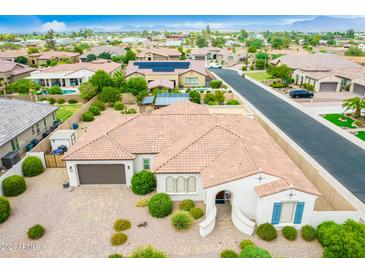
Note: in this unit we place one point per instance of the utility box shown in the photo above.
(63, 137)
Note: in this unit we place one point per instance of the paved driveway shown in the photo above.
(340, 157)
(80, 223)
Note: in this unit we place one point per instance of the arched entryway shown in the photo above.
(223, 205)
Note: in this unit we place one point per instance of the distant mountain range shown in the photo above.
(317, 24)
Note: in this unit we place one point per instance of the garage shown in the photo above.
(359, 89)
(92, 174)
(328, 86)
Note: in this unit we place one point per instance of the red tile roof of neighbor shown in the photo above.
(96, 65)
(48, 55)
(13, 53)
(14, 68)
(187, 139)
(159, 51)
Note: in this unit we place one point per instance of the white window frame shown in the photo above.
(149, 163)
(189, 81)
(294, 204)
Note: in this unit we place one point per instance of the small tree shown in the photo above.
(22, 86)
(215, 83)
(194, 96)
(55, 90)
(87, 91)
(105, 55)
(119, 80)
(91, 57)
(252, 49)
(101, 79)
(21, 60)
(136, 85)
(109, 94)
(355, 104)
(219, 97)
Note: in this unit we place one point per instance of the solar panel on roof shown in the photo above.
(162, 66)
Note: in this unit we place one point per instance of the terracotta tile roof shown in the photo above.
(161, 83)
(93, 66)
(48, 55)
(14, 68)
(13, 53)
(160, 51)
(187, 139)
(279, 186)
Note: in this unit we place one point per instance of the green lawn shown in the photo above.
(361, 135)
(334, 118)
(66, 111)
(259, 76)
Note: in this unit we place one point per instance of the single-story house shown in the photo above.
(43, 58)
(11, 71)
(185, 73)
(214, 158)
(211, 54)
(11, 55)
(21, 122)
(72, 75)
(112, 50)
(322, 81)
(159, 54)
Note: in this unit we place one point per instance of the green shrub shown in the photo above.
(244, 68)
(186, 205)
(35, 232)
(181, 221)
(308, 86)
(266, 232)
(118, 105)
(72, 101)
(32, 166)
(129, 111)
(122, 225)
(118, 238)
(142, 202)
(342, 241)
(148, 252)
(229, 253)
(99, 104)
(215, 83)
(196, 212)
(87, 116)
(51, 101)
(232, 102)
(252, 251)
(94, 110)
(308, 233)
(160, 205)
(61, 101)
(279, 85)
(14, 186)
(109, 94)
(4, 209)
(115, 255)
(245, 242)
(290, 233)
(143, 182)
(55, 90)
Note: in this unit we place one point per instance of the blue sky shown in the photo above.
(24, 23)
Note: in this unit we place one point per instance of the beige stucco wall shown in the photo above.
(156, 57)
(201, 79)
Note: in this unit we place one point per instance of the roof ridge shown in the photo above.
(119, 145)
(83, 146)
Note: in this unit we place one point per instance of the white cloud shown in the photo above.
(55, 25)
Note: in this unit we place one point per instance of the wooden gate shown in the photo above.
(54, 160)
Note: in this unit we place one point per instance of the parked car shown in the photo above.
(215, 65)
(301, 93)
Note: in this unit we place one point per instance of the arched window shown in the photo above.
(191, 184)
(180, 184)
(170, 184)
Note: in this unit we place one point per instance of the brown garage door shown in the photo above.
(101, 174)
(359, 89)
(326, 86)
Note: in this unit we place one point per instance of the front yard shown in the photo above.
(79, 223)
(340, 120)
(66, 111)
(259, 75)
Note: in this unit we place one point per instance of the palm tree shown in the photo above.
(355, 104)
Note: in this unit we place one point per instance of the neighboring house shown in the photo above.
(11, 55)
(185, 73)
(361, 46)
(133, 40)
(11, 71)
(21, 122)
(112, 50)
(326, 72)
(210, 54)
(173, 43)
(43, 58)
(72, 75)
(214, 158)
(159, 54)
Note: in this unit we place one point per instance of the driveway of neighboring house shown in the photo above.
(79, 223)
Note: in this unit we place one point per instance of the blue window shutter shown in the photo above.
(276, 213)
(299, 213)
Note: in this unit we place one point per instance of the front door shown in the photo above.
(221, 198)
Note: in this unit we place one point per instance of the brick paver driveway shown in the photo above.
(80, 223)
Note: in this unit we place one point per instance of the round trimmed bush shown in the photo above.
(14, 186)
(118, 105)
(252, 251)
(229, 253)
(61, 101)
(148, 252)
(99, 104)
(160, 205)
(51, 101)
(290, 233)
(72, 101)
(245, 242)
(143, 182)
(87, 116)
(32, 166)
(186, 205)
(308, 233)
(4, 209)
(196, 212)
(94, 110)
(266, 232)
(35, 232)
(122, 224)
(232, 102)
(181, 221)
(115, 255)
(118, 238)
